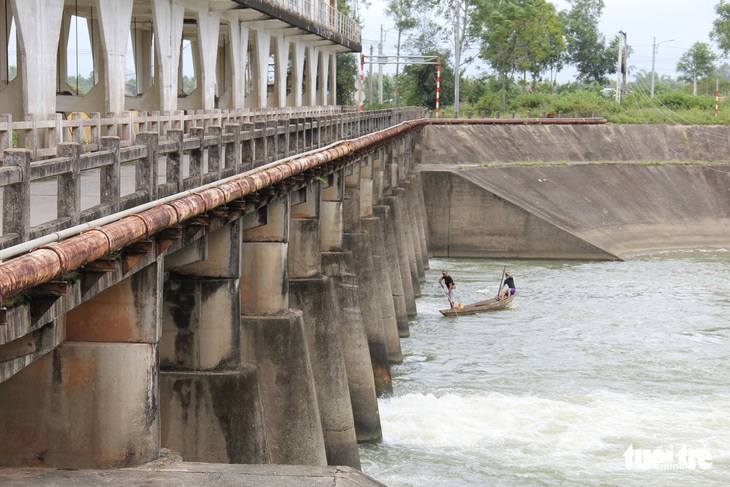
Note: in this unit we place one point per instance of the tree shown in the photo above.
(697, 63)
(586, 46)
(418, 83)
(500, 41)
(721, 27)
(461, 28)
(347, 73)
(403, 13)
(541, 43)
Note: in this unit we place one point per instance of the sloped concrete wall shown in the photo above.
(480, 144)
(576, 209)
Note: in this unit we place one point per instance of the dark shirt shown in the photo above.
(448, 281)
(510, 282)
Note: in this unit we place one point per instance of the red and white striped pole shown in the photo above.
(438, 84)
(362, 78)
(717, 96)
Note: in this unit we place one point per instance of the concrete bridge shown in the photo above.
(248, 320)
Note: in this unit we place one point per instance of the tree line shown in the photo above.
(520, 46)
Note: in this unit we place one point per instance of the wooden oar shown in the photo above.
(501, 280)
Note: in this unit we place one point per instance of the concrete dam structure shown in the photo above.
(574, 191)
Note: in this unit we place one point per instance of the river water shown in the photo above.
(600, 373)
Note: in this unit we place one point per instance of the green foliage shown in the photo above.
(347, 73)
(586, 46)
(721, 27)
(678, 100)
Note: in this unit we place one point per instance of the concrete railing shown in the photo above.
(146, 157)
(324, 14)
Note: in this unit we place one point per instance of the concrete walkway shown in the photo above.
(170, 471)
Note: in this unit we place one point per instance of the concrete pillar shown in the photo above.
(168, 23)
(92, 403)
(374, 228)
(208, 29)
(310, 94)
(142, 48)
(238, 33)
(420, 206)
(401, 242)
(114, 21)
(261, 75)
(333, 79)
(394, 268)
(405, 224)
(282, 63)
(39, 28)
(412, 218)
(274, 339)
(264, 279)
(313, 293)
(324, 70)
(210, 406)
(338, 266)
(331, 219)
(297, 84)
(5, 24)
(370, 308)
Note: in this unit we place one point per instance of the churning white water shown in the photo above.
(600, 373)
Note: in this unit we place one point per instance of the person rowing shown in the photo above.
(447, 280)
(509, 284)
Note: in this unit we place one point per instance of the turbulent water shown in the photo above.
(600, 373)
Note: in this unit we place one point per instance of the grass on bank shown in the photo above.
(666, 108)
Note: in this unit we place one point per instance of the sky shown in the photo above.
(683, 22)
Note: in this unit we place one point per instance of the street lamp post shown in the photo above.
(654, 50)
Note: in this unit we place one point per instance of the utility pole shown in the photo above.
(654, 51)
(618, 70)
(621, 72)
(370, 75)
(380, 67)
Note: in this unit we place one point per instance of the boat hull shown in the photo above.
(478, 307)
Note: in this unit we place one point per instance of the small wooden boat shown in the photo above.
(478, 307)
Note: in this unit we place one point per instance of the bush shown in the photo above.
(677, 100)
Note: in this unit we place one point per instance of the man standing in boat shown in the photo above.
(450, 286)
(509, 282)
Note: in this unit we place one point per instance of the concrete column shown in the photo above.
(333, 79)
(310, 95)
(282, 63)
(114, 21)
(366, 186)
(239, 33)
(5, 36)
(210, 406)
(297, 84)
(324, 70)
(405, 223)
(313, 293)
(331, 219)
(404, 259)
(39, 27)
(168, 23)
(263, 49)
(338, 266)
(92, 403)
(420, 206)
(274, 339)
(373, 226)
(142, 47)
(264, 288)
(351, 208)
(208, 29)
(62, 59)
(394, 269)
(370, 307)
(412, 218)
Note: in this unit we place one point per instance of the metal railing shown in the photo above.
(132, 160)
(325, 15)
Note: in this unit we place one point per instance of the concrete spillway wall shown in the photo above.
(573, 209)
